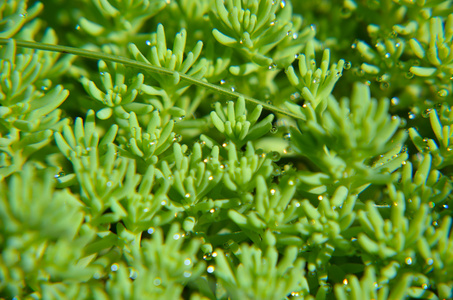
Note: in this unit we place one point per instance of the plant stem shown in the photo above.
(143, 66)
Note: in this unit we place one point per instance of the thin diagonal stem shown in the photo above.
(143, 66)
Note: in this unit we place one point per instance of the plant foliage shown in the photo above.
(237, 149)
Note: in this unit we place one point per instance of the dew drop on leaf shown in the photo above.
(426, 112)
(60, 174)
(274, 155)
(157, 281)
(114, 267)
(409, 75)
(384, 85)
(408, 260)
(442, 93)
(394, 101)
(347, 65)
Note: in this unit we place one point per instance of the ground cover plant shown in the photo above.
(226, 149)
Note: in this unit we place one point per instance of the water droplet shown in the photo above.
(151, 230)
(431, 204)
(395, 101)
(77, 27)
(387, 55)
(297, 204)
(214, 254)
(397, 45)
(409, 75)
(320, 197)
(368, 83)
(157, 281)
(272, 66)
(114, 267)
(182, 118)
(187, 261)
(177, 138)
(316, 80)
(212, 210)
(274, 155)
(445, 206)
(133, 274)
(282, 4)
(60, 174)
(272, 191)
(210, 177)
(272, 23)
(287, 136)
(146, 209)
(442, 93)
(176, 236)
(411, 115)
(187, 195)
(210, 269)
(384, 85)
(345, 282)
(233, 89)
(274, 130)
(23, 15)
(347, 65)
(289, 32)
(164, 202)
(354, 45)
(429, 261)
(313, 27)
(426, 112)
(295, 96)
(295, 36)
(424, 286)
(408, 260)
(44, 88)
(148, 42)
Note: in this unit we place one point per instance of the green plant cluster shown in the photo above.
(236, 149)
